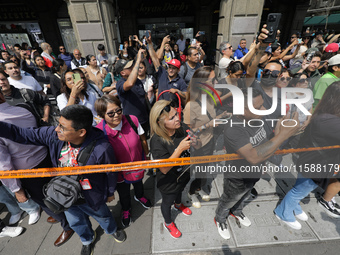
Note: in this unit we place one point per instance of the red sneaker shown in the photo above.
(173, 230)
(185, 210)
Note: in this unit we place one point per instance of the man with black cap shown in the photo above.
(131, 90)
(168, 80)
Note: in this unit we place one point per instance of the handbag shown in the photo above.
(64, 191)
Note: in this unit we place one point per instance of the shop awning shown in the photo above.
(332, 19)
(314, 20)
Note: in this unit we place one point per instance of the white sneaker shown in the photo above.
(295, 225)
(205, 197)
(194, 200)
(223, 230)
(302, 216)
(15, 218)
(11, 231)
(34, 217)
(244, 220)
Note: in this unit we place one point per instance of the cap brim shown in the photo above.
(128, 64)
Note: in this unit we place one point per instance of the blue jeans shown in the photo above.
(78, 219)
(8, 198)
(290, 203)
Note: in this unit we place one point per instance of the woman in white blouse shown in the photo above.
(75, 92)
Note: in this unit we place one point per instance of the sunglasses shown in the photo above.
(167, 108)
(293, 37)
(285, 78)
(112, 114)
(302, 80)
(274, 73)
(62, 49)
(229, 47)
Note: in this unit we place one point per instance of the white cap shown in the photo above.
(335, 60)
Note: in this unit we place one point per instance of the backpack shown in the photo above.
(64, 191)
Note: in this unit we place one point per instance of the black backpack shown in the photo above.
(64, 191)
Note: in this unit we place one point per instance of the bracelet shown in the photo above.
(72, 96)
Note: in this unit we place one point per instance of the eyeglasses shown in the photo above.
(112, 114)
(62, 49)
(285, 78)
(274, 73)
(167, 108)
(62, 129)
(302, 80)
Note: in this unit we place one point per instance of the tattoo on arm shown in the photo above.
(265, 150)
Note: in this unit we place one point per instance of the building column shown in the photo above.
(238, 19)
(93, 22)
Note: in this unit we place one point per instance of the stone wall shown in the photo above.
(93, 23)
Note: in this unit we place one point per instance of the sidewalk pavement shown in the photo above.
(146, 235)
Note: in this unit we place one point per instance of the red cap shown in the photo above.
(333, 47)
(175, 63)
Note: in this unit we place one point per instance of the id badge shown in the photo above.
(85, 184)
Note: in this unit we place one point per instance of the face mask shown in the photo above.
(268, 80)
(125, 55)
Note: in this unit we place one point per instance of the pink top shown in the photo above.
(126, 143)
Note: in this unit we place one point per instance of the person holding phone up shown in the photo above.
(73, 91)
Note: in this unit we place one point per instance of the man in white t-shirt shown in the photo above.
(227, 51)
(18, 81)
(181, 43)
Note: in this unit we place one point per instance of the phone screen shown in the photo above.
(76, 77)
(121, 47)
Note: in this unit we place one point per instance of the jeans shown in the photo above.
(290, 203)
(123, 189)
(8, 198)
(235, 192)
(78, 219)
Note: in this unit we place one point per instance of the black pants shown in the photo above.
(34, 187)
(2, 225)
(167, 202)
(201, 178)
(123, 189)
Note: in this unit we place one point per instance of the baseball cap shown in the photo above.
(122, 64)
(332, 47)
(175, 62)
(335, 60)
(268, 50)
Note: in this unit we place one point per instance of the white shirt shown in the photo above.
(89, 103)
(222, 65)
(26, 82)
(140, 130)
(181, 44)
(73, 66)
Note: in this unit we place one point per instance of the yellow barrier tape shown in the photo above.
(57, 171)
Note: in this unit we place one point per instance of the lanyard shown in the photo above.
(73, 156)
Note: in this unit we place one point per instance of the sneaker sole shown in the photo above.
(328, 212)
(225, 238)
(126, 225)
(198, 203)
(170, 233)
(141, 203)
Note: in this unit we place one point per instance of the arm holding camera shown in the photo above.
(160, 51)
(152, 53)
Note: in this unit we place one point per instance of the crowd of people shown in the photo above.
(56, 109)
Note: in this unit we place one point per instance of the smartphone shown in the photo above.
(194, 41)
(292, 111)
(201, 33)
(131, 37)
(147, 34)
(76, 77)
(300, 40)
(121, 47)
(273, 21)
